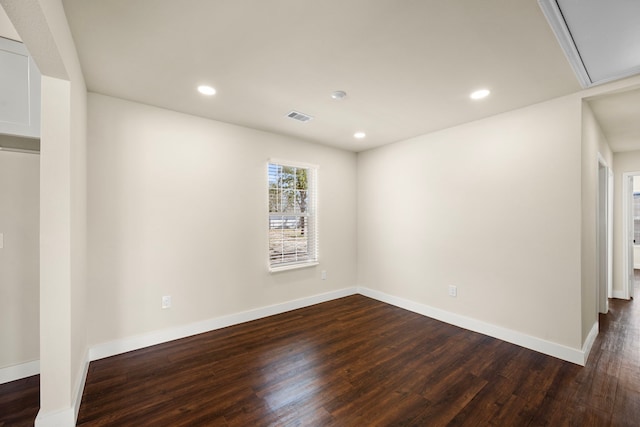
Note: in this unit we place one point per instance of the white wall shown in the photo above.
(493, 207)
(19, 258)
(177, 206)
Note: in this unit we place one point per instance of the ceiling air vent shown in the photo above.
(301, 117)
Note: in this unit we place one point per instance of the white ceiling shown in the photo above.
(408, 66)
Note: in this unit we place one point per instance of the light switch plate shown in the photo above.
(166, 301)
(1, 240)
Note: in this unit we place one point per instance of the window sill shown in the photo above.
(292, 267)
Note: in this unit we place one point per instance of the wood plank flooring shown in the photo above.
(20, 402)
(360, 362)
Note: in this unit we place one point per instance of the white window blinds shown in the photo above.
(293, 237)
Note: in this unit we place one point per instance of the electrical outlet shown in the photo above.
(453, 291)
(323, 274)
(166, 301)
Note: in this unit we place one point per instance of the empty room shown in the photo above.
(355, 213)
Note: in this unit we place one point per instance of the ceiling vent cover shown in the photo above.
(301, 117)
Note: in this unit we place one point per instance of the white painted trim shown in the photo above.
(554, 16)
(588, 343)
(626, 206)
(602, 227)
(602, 161)
(533, 343)
(619, 295)
(610, 215)
(560, 351)
(80, 382)
(293, 163)
(62, 418)
(17, 372)
(112, 348)
(19, 150)
(67, 417)
(296, 266)
(627, 288)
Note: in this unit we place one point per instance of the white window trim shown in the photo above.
(296, 265)
(292, 164)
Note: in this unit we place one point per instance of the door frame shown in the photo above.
(603, 236)
(610, 235)
(627, 233)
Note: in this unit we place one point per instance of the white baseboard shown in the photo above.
(112, 348)
(527, 341)
(618, 294)
(80, 382)
(577, 356)
(588, 343)
(68, 416)
(63, 418)
(17, 372)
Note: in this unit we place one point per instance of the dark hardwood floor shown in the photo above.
(19, 402)
(359, 362)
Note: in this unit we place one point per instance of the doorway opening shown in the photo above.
(631, 231)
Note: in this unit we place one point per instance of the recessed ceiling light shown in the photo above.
(339, 94)
(479, 94)
(359, 135)
(206, 90)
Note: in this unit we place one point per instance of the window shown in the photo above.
(292, 216)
